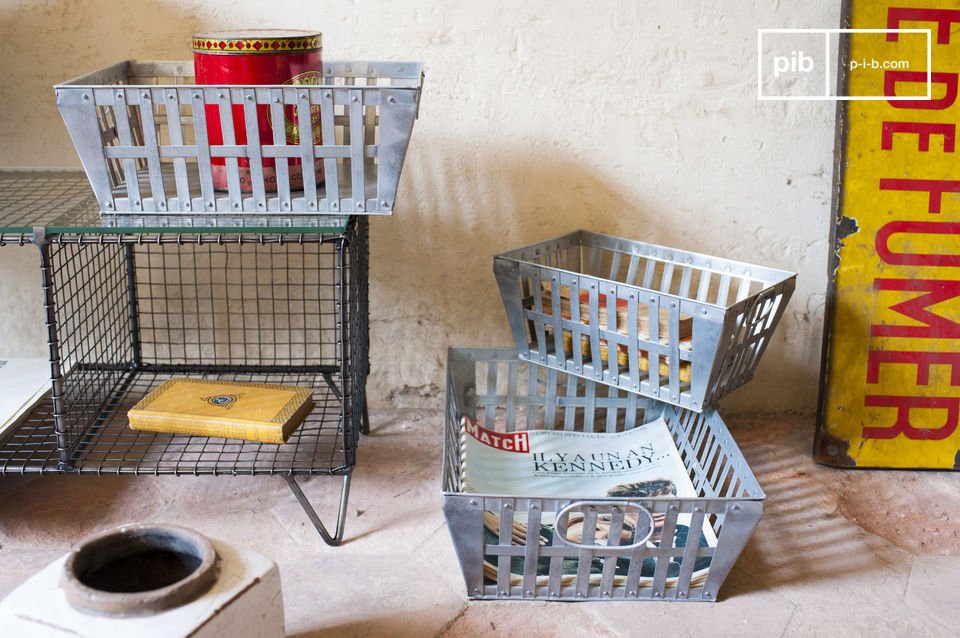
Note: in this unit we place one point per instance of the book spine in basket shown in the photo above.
(262, 432)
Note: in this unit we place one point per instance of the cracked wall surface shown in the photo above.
(634, 119)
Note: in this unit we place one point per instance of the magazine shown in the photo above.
(23, 381)
(639, 463)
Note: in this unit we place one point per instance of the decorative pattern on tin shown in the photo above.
(253, 46)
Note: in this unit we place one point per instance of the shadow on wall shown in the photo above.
(46, 43)
(432, 282)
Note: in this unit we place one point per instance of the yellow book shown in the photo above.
(263, 412)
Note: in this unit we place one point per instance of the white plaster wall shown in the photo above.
(632, 118)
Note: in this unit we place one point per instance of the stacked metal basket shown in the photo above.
(611, 334)
(140, 128)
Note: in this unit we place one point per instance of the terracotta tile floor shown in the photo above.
(837, 553)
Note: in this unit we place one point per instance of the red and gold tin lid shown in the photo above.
(258, 41)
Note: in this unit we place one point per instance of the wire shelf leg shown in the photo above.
(337, 537)
(130, 261)
(365, 419)
(53, 346)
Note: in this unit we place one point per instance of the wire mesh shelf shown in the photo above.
(60, 202)
(42, 198)
(108, 446)
(125, 312)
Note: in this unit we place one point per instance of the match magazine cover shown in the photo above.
(636, 464)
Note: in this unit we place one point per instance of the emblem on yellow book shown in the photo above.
(225, 401)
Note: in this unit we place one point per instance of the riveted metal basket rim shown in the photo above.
(771, 277)
(401, 69)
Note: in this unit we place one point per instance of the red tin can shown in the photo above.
(257, 57)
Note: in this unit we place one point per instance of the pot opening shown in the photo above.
(139, 569)
(144, 570)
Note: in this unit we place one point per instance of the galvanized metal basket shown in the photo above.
(501, 561)
(686, 328)
(140, 129)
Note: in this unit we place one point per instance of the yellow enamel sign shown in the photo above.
(891, 371)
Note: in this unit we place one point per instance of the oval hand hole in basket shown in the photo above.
(589, 524)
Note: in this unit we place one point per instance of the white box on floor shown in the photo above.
(244, 602)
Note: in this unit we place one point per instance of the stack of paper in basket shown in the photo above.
(642, 462)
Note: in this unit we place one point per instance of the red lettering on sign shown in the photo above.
(935, 326)
(923, 130)
(918, 228)
(903, 425)
(892, 78)
(943, 18)
(936, 188)
(923, 361)
(901, 243)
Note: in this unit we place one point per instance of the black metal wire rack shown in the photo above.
(126, 311)
(43, 198)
